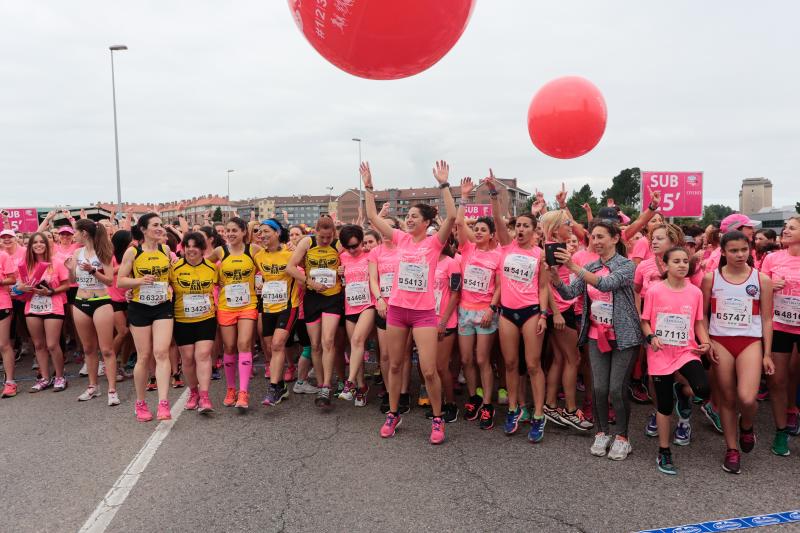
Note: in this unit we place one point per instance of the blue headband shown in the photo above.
(272, 224)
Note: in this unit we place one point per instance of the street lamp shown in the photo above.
(112, 49)
(360, 193)
(229, 182)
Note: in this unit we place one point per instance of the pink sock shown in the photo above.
(229, 359)
(245, 364)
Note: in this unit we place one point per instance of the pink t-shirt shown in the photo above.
(413, 282)
(445, 268)
(672, 314)
(641, 250)
(519, 276)
(65, 251)
(386, 260)
(564, 274)
(116, 294)
(602, 307)
(780, 265)
(581, 258)
(55, 275)
(713, 260)
(7, 267)
(357, 294)
(478, 271)
(18, 257)
(647, 274)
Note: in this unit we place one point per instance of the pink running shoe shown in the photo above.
(142, 412)
(163, 411)
(194, 398)
(267, 373)
(388, 428)
(437, 430)
(205, 406)
(290, 374)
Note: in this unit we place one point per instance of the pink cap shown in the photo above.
(66, 229)
(7, 233)
(734, 222)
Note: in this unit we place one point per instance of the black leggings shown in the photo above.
(694, 373)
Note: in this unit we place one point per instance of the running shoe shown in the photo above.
(682, 435)
(763, 391)
(665, 464)
(378, 379)
(215, 375)
(242, 401)
(230, 397)
(651, 429)
(793, 423)
(41, 384)
(580, 386)
(267, 373)
(163, 411)
(486, 416)
(193, 401)
(747, 439)
(384, 406)
(304, 387)
(472, 406)
(339, 386)
(121, 373)
(323, 399)
(361, 396)
(780, 444)
(512, 421)
(561, 397)
(131, 364)
(275, 394)
(404, 405)
(712, 416)
(59, 384)
(35, 364)
(84, 371)
(9, 390)
(575, 419)
(142, 412)
(177, 381)
(429, 412)
(88, 394)
(204, 405)
(449, 413)
(348, 391)
(600, 444)
(437, 430)
(536, 434)
(612, 415)
(290, 374)
(479, 392)
(101, 368)
(683, 404)
(390, 426)
(732, 462)
(113, 398)
(152, 384)
(620, 449)
(639, 392)
(525, 415)
(502, 396)
(552, 414)
(423, 399)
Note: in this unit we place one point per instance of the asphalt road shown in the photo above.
(292, 468)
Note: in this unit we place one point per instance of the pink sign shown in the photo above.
(477, 210)
(22, 218)
(681, 192)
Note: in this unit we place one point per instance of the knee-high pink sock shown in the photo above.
(245, 364)
(229, 359)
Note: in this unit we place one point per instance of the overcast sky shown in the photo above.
(209, 86)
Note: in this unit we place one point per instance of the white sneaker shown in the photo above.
(83, 372)
(88, 394)
(101, 370)
(600, 445)
(620, 450)
(113, 399)
(304, 388)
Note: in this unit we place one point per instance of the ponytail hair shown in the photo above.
(730, 237)
(614, 231)
(138, 229)
(275, 225)
(120, 241)
(100, 240)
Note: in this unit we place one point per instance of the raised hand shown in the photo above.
(491, 181)
(366, 175)
(655, 198)
(441, 172)
(466, 187)
(384, 210)
(561, 197)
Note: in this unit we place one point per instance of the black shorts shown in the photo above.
(354, 318)
(49, 316)
(191, 332)
(380, 322)
(450, 331)
(72, 292)
(119, 306)
(300, 333)
(141, 315)
(88, 307)
(570, 320)
(285, 320)
(519, 316)
(4, 313)
(314, 304)
(783, 342)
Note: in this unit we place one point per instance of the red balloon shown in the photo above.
(567, 117)
(382, 39)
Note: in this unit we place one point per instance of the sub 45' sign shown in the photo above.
(681, 192)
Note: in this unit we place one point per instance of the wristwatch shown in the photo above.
(650, 338)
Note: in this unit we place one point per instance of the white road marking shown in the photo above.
(107, 508)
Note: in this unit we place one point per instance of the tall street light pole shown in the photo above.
(229, 182)
(360, 192)
(112, 49)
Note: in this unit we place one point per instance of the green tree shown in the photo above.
(584, 195)
(714, 212)
(797, 207)
(625, 190)
(217, 216)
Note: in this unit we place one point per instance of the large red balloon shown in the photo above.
(382, 39)
(567, 117)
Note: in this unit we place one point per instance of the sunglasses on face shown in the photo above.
(352, 246)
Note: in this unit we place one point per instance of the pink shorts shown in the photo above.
(411, 318)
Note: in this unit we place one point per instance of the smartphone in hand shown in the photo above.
(550, 252)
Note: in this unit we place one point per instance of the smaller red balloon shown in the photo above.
(567, 117)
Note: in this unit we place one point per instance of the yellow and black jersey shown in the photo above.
(193, 287)
(279, 291)
(237, 277)
(322, 264)
(152, 263)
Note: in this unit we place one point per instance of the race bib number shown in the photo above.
(275, 292)
(87, 281)
(153, 294)
(437, 294)
(412, 277)
(386, 284)
(518, 267)
(196, 305)
(736, 313)
(41, 305)
(476, 279)
(324, 276)
(787, 310)
(356, 293)
(673, 329)
(602, 313)
(237, 294)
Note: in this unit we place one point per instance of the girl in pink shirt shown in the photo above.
(651, 270)
(8, 276)
(412, 305)
(446, 290)
(671, 321)
(642, 250)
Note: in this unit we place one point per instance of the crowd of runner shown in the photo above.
(524, 312)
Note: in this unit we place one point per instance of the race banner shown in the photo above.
(681, 192)
(477, 210)
(24, 219)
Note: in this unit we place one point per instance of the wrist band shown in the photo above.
(444, 185)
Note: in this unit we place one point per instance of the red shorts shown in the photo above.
(411, 318)
(735, 345)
